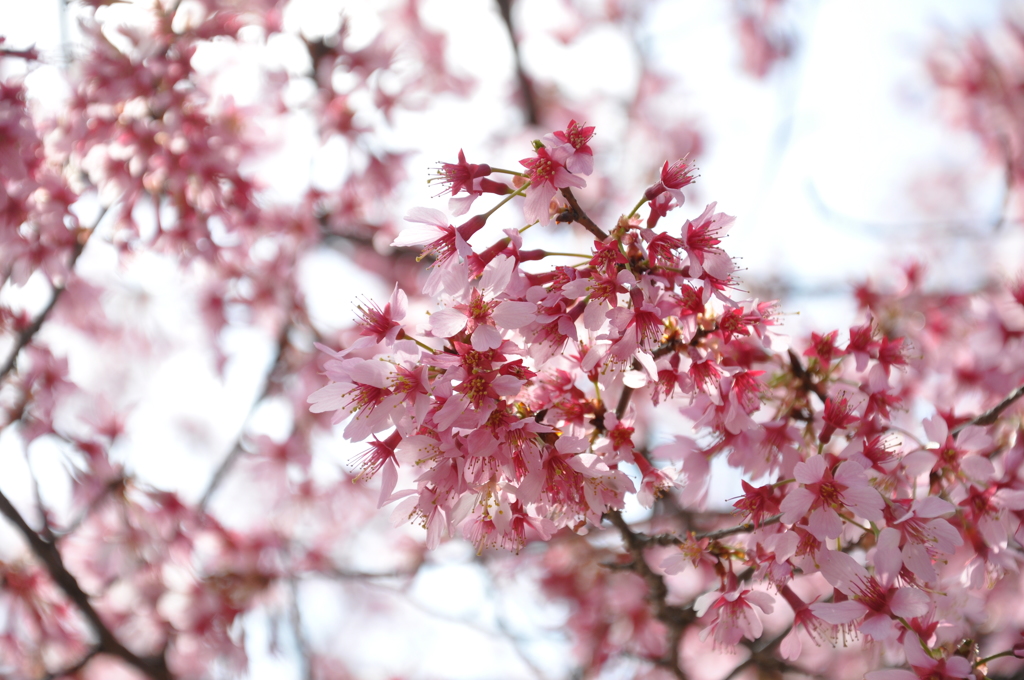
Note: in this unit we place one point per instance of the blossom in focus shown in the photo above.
(547, 173)
(822, 496)
(580, 160)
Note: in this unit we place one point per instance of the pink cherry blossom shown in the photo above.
(733, 614)
(547, 173)
(823, 495)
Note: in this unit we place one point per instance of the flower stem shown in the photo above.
(636, 207)
(506, 172)
(509, 197)
(548, 253)
(1008, 652)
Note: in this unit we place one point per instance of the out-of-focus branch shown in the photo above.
(154, 667)
(27, 334)
(525, 84)
(744, 528)
(675, 618)
(990, 416)
(295, 614)
(879, 229)
(237, 449)
(75, 667)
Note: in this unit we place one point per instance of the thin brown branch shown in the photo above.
(580, 216)
(939, 227)
(739, 529)
(672, 539)
(529, 98)
(675, 618)
(305, 651)
(154, 666)
(29, 333)
(990, 416)
(801, 374)
(237, 450)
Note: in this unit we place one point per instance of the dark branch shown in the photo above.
(525, 84)
(990, 416)
(154, 667)
(27, 334)
(237, 450)
(675, 618)
(580, 216)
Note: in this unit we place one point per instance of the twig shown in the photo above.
(739, 529)
(27, 334)
(879, 229)
(675, 618)
(76, 667)
(237, 450)
(305, 652)
(154, 667)
(801, 374)
(506, 631)
(525, 84)
(580, 216)
(990, 416)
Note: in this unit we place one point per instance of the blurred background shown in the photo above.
(850, 139)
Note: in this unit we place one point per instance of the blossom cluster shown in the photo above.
(500, 403)
(516, 409)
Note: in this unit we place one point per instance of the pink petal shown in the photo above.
(978, 468)
(388, 480)
(796, 504)
(849, 473)
(417, 236)
(537, 206)
(888, 558)
(879, 627)
(841, 570)
(513, 314)
(916, 656)
(824, 523)
(932, 506)
(507, 385)
(485, 338)
(427, 216)
(497, 274)
(328, 398)
(936, 429)
(891, 674)
(838, 613)
(959, 667)
(447, 322)
(864, 501)
(702, 603)
(810, 471)
(763, 600)
(919, 563)
(909, 603)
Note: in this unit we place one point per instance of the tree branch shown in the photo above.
(295, 614)
(237, 450)
(580, 216)
(76, 667)
(990, 416)
(154, 667)
(27, 334)
(525, 84)
(675, 618)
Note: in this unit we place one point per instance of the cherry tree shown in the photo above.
(205, 476)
